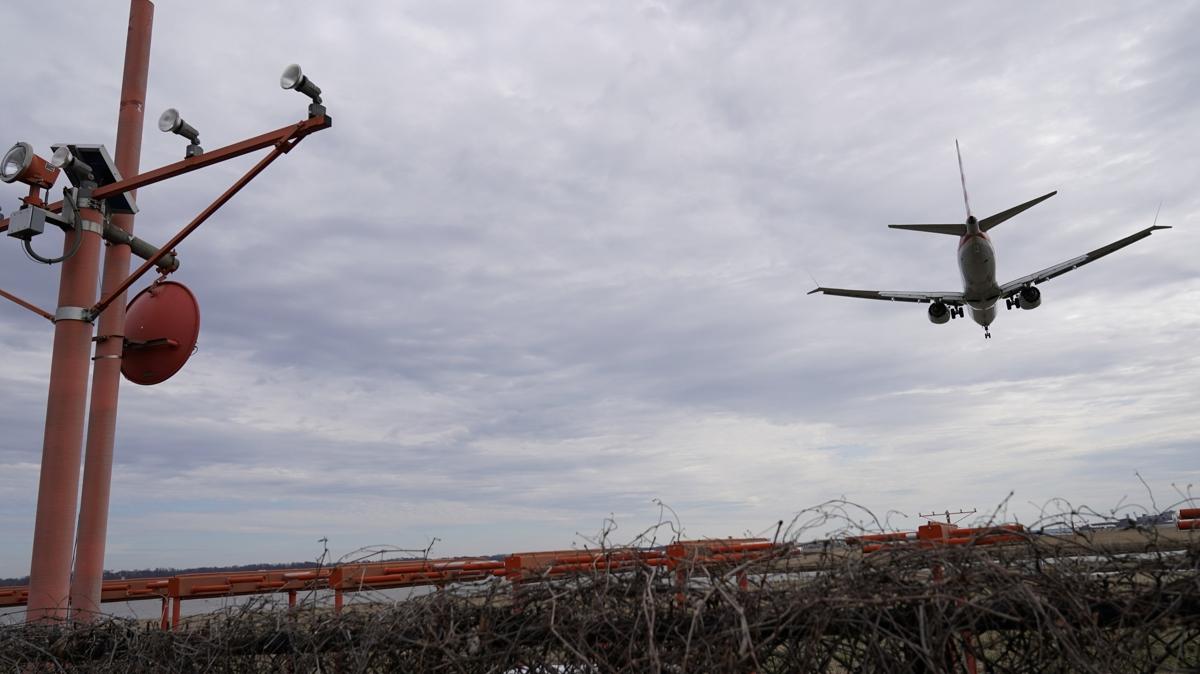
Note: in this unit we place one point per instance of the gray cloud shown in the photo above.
(550, 264)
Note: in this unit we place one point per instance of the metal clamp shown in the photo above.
(83, 201)
(112, 356)
(91, 226)
(73, 314)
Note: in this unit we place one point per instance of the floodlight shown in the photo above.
(171, 122)
(294, 78)
(20, 164)
(103, 171)
(76, 169)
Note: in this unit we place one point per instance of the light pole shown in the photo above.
(100, 206)
(106, 368)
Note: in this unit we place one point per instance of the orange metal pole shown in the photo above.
(58, 487)
(106, 372)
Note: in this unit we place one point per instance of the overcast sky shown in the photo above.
(550, 265)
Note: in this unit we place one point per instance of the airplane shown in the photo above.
(977, 266)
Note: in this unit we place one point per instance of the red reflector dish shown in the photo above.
(161, 326)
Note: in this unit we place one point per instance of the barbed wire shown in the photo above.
(1022, 607)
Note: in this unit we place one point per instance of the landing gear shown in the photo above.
(987, 332)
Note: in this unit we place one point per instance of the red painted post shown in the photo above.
(337, 601)
(165, 623)
(175, 611)
(106, 372)
(291, 599)
(58, 486)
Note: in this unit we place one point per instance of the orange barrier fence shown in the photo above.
(941, 533)
(1189, 518)
(522, 567)
(682, 557)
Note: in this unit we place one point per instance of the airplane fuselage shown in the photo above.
(977, 265)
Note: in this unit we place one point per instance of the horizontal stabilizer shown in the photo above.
(953, 230)
(993, 220)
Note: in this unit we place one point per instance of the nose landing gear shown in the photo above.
(987, 332)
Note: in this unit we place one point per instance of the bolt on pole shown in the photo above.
(106, 371)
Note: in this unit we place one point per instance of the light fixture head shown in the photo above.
(20, 164)
(90, 165)
(64, 160)
(171, 122)
(294, 78)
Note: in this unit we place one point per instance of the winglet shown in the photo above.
(814, 290)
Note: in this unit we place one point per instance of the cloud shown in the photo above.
(549, 265)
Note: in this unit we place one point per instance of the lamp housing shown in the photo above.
(78, 171)
(294, 78)
(171, 122)
(103, 171)
(20, 164)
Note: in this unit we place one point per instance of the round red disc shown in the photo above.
(161, 326)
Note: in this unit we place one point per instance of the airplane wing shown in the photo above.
(950, 298)
(1013, 287)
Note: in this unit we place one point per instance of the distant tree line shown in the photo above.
(165, 571)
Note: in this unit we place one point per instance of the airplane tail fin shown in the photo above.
(953, 230)
(963, 177)
(984, 224)
(993, 220)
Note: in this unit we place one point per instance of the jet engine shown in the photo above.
(1031, 298)
(939, 313)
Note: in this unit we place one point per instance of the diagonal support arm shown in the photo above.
(282, 146)
(35, 309)
(290, 132)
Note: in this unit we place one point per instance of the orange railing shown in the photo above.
(1189, 518)
(682, 557)
(522, 567)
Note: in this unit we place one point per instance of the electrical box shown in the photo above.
(27, 223)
